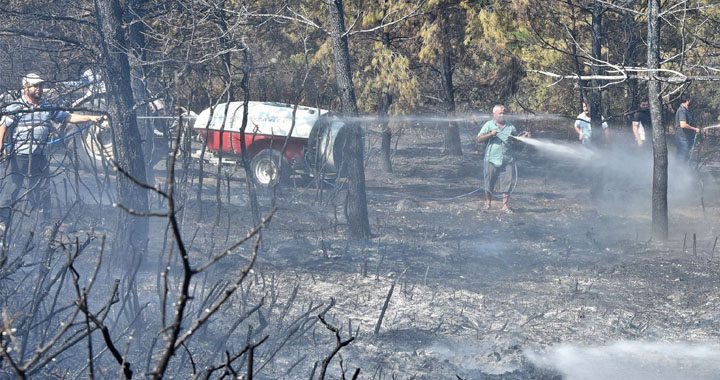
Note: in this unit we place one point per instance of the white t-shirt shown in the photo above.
(582, 121)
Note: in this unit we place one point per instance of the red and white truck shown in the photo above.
(310, 143)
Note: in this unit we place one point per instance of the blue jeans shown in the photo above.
(683, 146)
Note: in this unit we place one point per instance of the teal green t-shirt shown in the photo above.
(498, 151)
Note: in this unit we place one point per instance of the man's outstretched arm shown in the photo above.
(79, 118)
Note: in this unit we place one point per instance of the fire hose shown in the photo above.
(692, 148)
(59, 139)
(446, 199)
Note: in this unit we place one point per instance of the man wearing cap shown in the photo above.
(26, 126)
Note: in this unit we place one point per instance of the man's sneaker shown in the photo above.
(506, 210)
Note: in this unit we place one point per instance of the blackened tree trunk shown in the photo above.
(596, 93)
(386, 101)
(356, 200)
(660, 153)
(385, 133)
(227, 44)
(136, 38)
(576, 61)
(248, 65)
(128, 152)
(595, 104)
(452, 144)
(631, 59)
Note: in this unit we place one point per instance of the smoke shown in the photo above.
(626, 169)
(631, 360)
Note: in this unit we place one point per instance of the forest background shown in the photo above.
(430, 57)
(382, 59)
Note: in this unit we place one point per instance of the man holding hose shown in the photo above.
(499, 161)
(685, 130)
(26, 126)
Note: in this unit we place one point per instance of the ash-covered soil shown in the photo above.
(476, 293)
(566, 287)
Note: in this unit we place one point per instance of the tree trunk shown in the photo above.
(452, 144)
(385, 134)
(136, 37)
(660, 156)
(576, 60)
(133, 231)
(595, 104)
(248, 66)
(631, 59)
(356, 200)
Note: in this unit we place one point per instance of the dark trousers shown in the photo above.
(26, 176)
(503, 173)
(683, 146)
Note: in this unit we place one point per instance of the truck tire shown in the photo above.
(324, 149)
(270, 168)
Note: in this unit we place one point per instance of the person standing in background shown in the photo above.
(27, 125)
(642, 126)
(685, 130)
(583, 126)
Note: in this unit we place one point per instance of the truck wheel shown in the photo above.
(270, 168)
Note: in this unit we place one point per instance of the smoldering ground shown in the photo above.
(473, 289)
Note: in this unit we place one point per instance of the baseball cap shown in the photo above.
(32, 79)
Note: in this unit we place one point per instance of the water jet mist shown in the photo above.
(575, 151)
(457, 118)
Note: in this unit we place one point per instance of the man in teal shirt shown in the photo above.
(498, 155)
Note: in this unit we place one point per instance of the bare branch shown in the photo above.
(219, 302)
(339, 343)
(247, 237)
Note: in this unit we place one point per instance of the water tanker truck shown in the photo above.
(279, 145)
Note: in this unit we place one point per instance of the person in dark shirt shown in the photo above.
(685, 129)
(642, 126)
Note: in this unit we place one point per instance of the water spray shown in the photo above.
(457, 118)
(692, 148)
(577, 151)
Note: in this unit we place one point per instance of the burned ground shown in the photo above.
(474, 290)
(476, 294)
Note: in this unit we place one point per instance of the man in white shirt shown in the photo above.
(583, 126)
